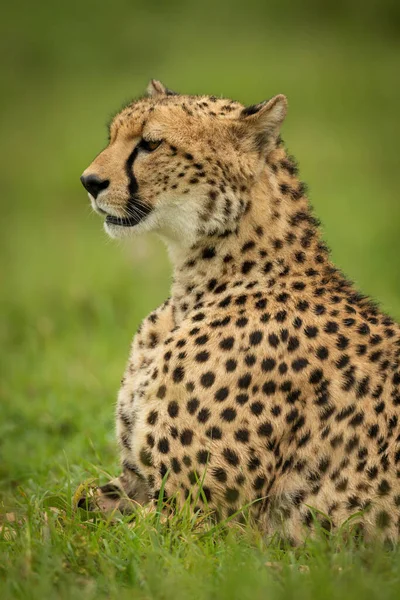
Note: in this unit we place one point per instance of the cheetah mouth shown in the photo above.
(136, 211)
(122, 221)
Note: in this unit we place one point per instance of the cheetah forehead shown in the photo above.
(176, 107)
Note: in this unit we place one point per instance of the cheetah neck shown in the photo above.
(276, 245)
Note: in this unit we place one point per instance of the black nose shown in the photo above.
(94, 184)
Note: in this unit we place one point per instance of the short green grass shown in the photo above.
(55, 552)
(71, 299)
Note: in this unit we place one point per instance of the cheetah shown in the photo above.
(265, 380)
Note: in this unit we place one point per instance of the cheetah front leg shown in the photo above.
(123, 494)
(129, 489)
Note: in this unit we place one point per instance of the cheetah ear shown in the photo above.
(156, 88)
(265, 119)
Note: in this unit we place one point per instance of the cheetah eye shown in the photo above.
(149, 145)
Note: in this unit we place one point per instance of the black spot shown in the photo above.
(227, 343)
(202, 357)
(375, 356)
(242, 322)
(342, 484)
(178, 374)
(269, 388)
(230, 365)
(316, 376)
(293, 344)
(255, 338)
(229, 414)
(152, 418)
(231, 495)
(175, 464)
(192, 405)
(162, 390)
(242, 399)
(345, 412)
(247, 266)
(207, 379)
(214, 433)
(193, 477)
(163, 445)
(218, 290)
(248, 246)
(396, 378)
(268, 364)
(198, 317)
(299, 364)
(363, 387)
(302, 305)
(203, 457)
(361, 349)
(342, 342)
(231, 457)
(253, 463)
(203, 415)
(331, 327)
(244, 381)
(319, 309)
(260, 304)
(342, 361)
(265, 429)
(276, 410)
(250, 360)
(382, 519)
(357, 420)
(303, 441)
(186, 437)
(273, 340)
(281, 316)
(145, 457)
(267, 267)
(311, 332)
(284, 335)
(221, 394)
(242, 435)
(173, 409)
(292, 415)
(298, 285)
(283, 297)
(384, 488)
(257, 408)
(297, 322)
(187, 461)
(349, 322)
(208, 253)
(322, 353)
(363, 329)
(225, 302)
(220, 474)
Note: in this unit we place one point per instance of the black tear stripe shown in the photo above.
(136, 209)
(132, 186)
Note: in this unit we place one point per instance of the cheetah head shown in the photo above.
(182, 166)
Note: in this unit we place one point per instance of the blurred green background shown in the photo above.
(71, 298)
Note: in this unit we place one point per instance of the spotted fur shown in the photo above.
(266, 379)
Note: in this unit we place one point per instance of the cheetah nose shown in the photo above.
(94, 185)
